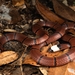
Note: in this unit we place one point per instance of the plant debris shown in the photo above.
(19, 16)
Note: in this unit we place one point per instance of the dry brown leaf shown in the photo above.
(63, 10)
(7, 57)
(29, 60)
(48, 14)
(57, 70)
(17, 2)
(67, 69)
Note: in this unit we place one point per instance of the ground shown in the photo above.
(19, 16)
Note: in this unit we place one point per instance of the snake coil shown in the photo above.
(43, 40)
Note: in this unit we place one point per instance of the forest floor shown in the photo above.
(19, 16)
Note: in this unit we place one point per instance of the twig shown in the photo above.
(21, 61)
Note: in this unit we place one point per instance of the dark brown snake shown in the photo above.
(45, 39)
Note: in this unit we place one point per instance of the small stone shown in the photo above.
(55, 48)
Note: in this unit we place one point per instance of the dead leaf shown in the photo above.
(57, 70)
(29, 60)
(47, 14)
(68, 69)
(17, 2)
(7, 57)
(63, 10)
(9, 30)
(44, 70)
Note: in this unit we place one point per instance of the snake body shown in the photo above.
(60, 60)
(43, 40)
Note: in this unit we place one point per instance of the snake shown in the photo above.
(60, 60)
(38, 31)
(44, 39)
